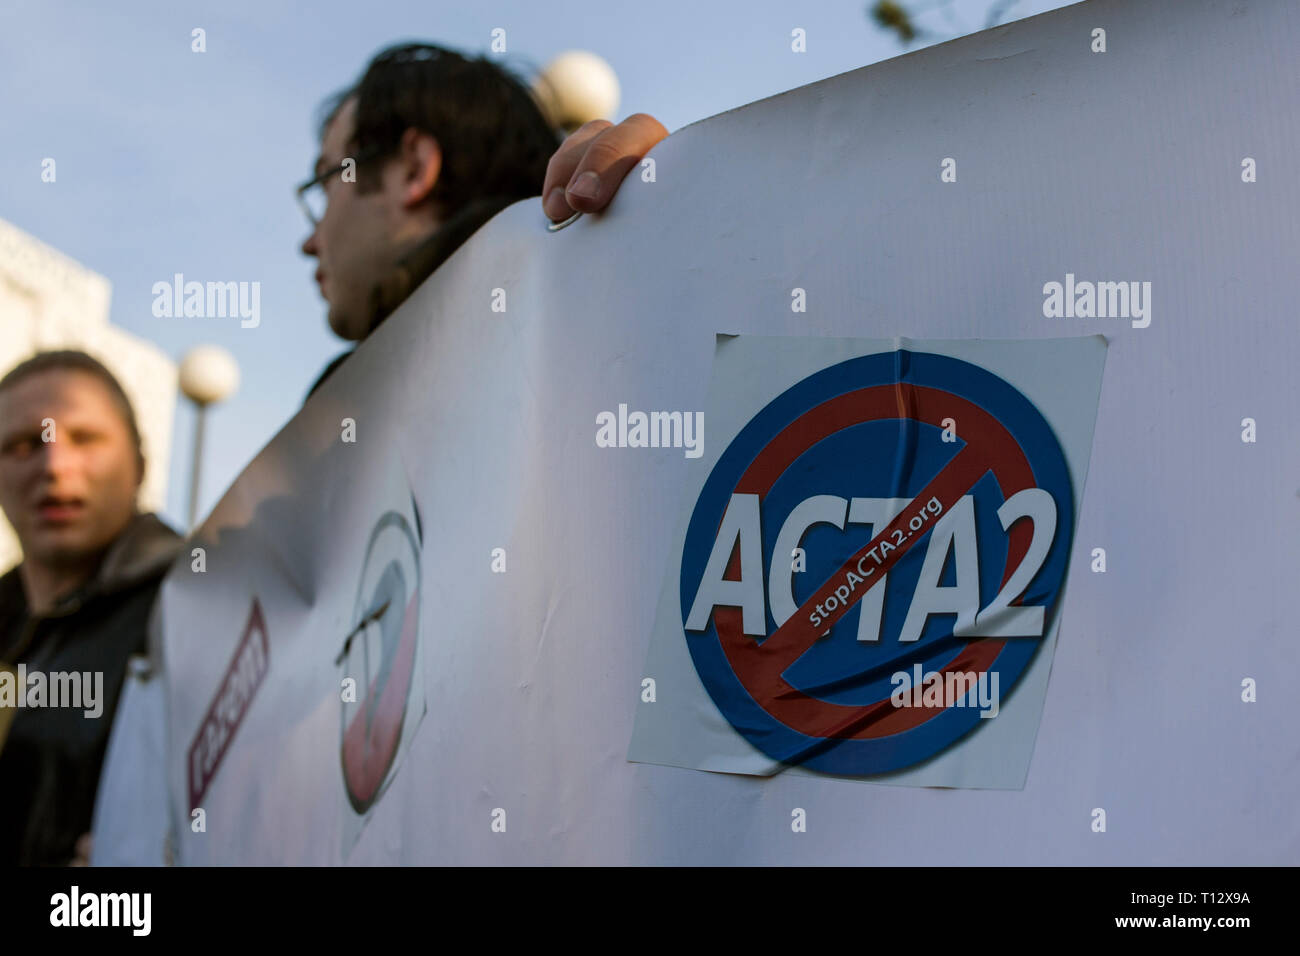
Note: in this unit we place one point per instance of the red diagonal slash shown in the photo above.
(372, 738)
(988, 445)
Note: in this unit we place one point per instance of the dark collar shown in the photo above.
(418, 264)
(143, 551)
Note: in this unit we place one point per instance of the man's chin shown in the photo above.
(343, 323)
(65, 545)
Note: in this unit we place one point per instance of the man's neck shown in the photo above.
(413, 265)
(45, 584)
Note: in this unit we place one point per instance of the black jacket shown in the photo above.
(50, 758)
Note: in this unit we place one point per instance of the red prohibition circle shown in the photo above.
(760, 666)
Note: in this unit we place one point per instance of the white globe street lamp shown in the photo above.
(208, 374)
(576, 87)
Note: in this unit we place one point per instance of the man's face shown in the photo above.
(68, 498)
(356, 241)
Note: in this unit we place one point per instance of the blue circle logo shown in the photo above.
(875, 560)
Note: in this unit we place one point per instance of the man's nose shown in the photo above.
(57, 458)
(309, 244)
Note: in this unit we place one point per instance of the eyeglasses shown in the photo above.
(312, 196)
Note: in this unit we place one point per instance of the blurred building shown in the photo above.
(48, 301)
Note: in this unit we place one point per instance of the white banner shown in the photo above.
(443, 533)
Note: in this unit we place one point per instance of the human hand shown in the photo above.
(82, 851)
(587, 169)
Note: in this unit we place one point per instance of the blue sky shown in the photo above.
(172, 161)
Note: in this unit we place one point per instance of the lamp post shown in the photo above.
(577, 87)
(208, 375)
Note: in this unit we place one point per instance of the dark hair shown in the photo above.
(494, 138)
(70, 360)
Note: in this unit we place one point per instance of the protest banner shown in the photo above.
(466, 557)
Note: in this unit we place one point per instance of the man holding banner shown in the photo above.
(436, 144)
(422, 151)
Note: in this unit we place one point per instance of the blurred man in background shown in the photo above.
(78, 604)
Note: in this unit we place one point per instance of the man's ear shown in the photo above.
(421, 163)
